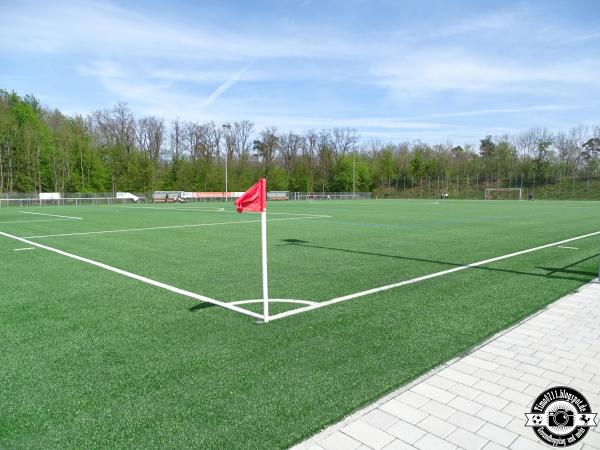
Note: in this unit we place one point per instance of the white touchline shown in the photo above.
(423, 278)
(571, 248)
(51, 215)
(166, 208)
(126, 230)
(24, 248)
(138, 277)
(35, 221)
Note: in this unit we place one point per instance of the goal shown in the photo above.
(504, 194)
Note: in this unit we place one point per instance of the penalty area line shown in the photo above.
(134, 276)
(425, 277)
(167, 227)
(51, 215)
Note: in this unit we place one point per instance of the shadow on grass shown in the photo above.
(552, 271)
(200, 306)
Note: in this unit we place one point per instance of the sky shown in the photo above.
(396, 70)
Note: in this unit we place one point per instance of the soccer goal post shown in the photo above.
(504, 194)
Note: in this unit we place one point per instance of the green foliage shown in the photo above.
(110, 150)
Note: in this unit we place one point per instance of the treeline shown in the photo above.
(110, 150)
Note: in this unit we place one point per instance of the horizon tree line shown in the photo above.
(110, 150)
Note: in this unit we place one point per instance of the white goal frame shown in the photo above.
(489, 191)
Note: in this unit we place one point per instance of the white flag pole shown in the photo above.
(263, 220)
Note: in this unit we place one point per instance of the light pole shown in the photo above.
(353, 175)
(226, 128)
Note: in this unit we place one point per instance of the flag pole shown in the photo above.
(263, 220)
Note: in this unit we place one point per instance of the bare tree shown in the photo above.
(289, 146)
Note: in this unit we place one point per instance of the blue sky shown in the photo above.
(400, 70)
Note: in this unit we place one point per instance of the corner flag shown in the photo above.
(255, 199)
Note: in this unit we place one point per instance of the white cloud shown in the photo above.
(436, 71)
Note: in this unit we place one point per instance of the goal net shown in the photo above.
(504, 194)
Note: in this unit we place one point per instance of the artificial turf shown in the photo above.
(91, 359)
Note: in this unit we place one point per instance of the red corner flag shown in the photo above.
(254, 199)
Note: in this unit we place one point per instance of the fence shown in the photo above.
(467, 187)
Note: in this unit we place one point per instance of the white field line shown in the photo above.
(33, 221)
(424, 277)
(571, 248)
(52, 215)
(168, 227)
(167, 208)
(24, 248)
(167, 287)
(218, 210)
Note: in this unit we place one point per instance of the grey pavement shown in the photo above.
(479, 401)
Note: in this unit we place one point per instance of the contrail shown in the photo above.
(225, 86)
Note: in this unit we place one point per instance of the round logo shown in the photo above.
(560, 416)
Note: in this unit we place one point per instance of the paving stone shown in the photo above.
(406, 431)
(464, 405)
(440, 382)
(480, 363)
(512, 383)
(462, 366)
(431, 442)
(379, 419)
(516, 396)
(466, 421)
(522, 443)
(496, 417)
(517, 425)
(339, 441)
(433, 392)
(412, 398)
(465, 391)
(494, 350)
(368, 434)
(495, 433)
(467, 440)
(488, 375)
(535, 380)
(438, 409)
(403, 411)
(437, 426)
(489, 387)
(458, 377)
(491, 400)
(493, 446)
(398, 445)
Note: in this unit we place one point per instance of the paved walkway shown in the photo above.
(478, 401)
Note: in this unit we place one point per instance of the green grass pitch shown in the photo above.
(92, 359)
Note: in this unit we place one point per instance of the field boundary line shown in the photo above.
(51, 215)
(169, 208)
(194, 208)
(425, 277)
(134, 276)
(35, 221)
(166, 227)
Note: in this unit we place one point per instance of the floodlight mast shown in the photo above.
(226, 128)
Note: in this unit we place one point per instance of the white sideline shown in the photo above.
(34, 221)
(51, 215)
(138, 277)
(167, 208)
(194, 208)
(424, 277)
(167, 227)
